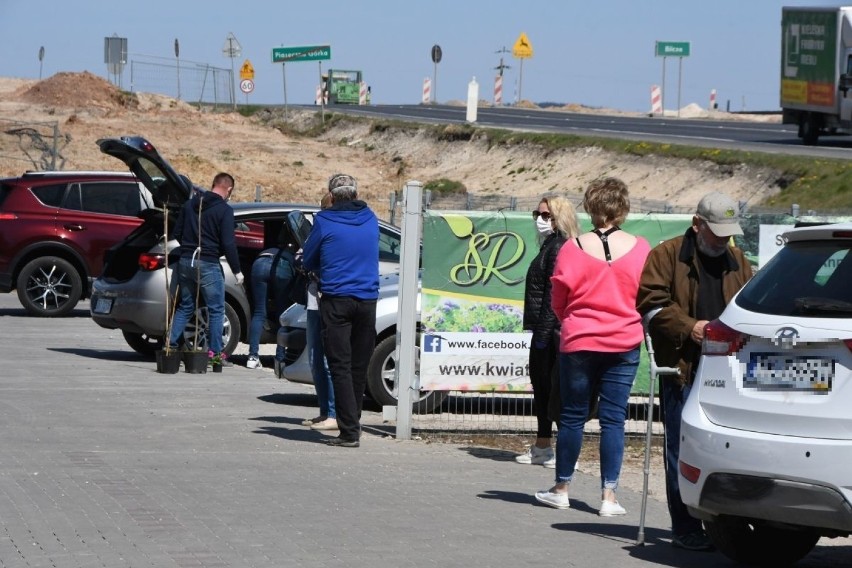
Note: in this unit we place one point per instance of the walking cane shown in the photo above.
(649, 417)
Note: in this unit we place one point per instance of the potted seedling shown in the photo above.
(195, 360)
(168, 359)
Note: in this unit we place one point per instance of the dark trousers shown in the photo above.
(349, 337)
(542, 362)
(672, 399)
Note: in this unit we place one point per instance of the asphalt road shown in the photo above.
(107, 463)
(732, 134)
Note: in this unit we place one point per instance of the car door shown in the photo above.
(95, 215)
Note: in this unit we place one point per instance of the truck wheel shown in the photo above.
(757, 544)
(49, 286)
(809, 130)
(380, 380)
(143, 343)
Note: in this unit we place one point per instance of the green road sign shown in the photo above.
(672, 49)
(301, 53)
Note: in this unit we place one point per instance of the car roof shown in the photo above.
(70, 174)
(820, 232)
(249, 208)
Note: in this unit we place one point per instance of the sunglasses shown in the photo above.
(543, 214)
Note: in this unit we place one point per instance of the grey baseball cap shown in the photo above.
(721, 214)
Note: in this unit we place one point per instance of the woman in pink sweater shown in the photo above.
(594, 287)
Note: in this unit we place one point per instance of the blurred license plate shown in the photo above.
(103, 306)
(775, 372)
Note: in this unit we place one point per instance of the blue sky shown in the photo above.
(597, 54)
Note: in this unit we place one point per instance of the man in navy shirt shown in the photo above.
(205, 231)
(343, 248)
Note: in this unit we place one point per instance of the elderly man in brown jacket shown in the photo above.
(687, 281)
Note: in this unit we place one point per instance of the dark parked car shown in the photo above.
(55, 228)
(130, 294)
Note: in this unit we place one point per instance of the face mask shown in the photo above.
(710, 249)
(544, 227)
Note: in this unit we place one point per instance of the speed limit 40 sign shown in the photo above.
(246, 86)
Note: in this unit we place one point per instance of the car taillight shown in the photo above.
(719, 339)
(150, 261)
(848, 343)
(8, 216)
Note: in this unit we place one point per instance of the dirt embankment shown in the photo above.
(287, 167)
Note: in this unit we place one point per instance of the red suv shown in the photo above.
(55, 228)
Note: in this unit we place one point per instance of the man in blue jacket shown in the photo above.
(205, 231)
(343, 248)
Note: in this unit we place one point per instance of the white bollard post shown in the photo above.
(427, 91)
(498, 91)
(472, 100)
(362, 93)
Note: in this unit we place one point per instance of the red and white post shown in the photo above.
(318, 99)
(427, 91)
(498, 90)
(656, 100)
(713, 99)
(362, 93)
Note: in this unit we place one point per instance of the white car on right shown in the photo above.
(766, 434)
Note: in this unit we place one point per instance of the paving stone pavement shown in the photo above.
(106, 463)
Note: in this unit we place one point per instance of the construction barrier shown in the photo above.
(713, 100)
(498, 90)
(656, 100)
(362, 93)
(427, 91)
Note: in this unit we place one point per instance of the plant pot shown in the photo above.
(168, 361)
(217, 367)
(195, 361)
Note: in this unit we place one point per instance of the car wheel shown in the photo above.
(231, 330)
(143, 343)
(380, 379)
(49, 286)
(757, 544)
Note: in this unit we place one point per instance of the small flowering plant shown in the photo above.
(217, 358)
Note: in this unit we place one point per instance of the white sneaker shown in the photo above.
(555, 500)
(538, 456)
(253, 362)
(327, 424)
(611, 509)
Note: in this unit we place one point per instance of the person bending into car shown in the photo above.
(272, 274)
(687, 282)
(205, 231)
(343, 248)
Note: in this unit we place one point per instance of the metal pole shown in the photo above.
(407, 377)
(322, 92)
(284, 75)
(679, 76)
(435, 83)
(521, 81)
(663, 90)
(231, 53)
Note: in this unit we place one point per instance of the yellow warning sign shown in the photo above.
(246, 71)
(523, 48)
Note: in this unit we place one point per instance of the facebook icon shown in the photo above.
(432, 344)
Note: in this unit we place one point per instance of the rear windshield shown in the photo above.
(805, 279)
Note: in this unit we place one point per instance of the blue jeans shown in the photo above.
(212, 287)
(319, 366)
(579, 373)
(261, 279)
(672, 399)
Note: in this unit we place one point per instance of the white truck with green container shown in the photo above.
(816, 70)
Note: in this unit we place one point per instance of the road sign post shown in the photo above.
(437, 54)
(232, 49)
(284, 55)
(679, 49)
(522, 50)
